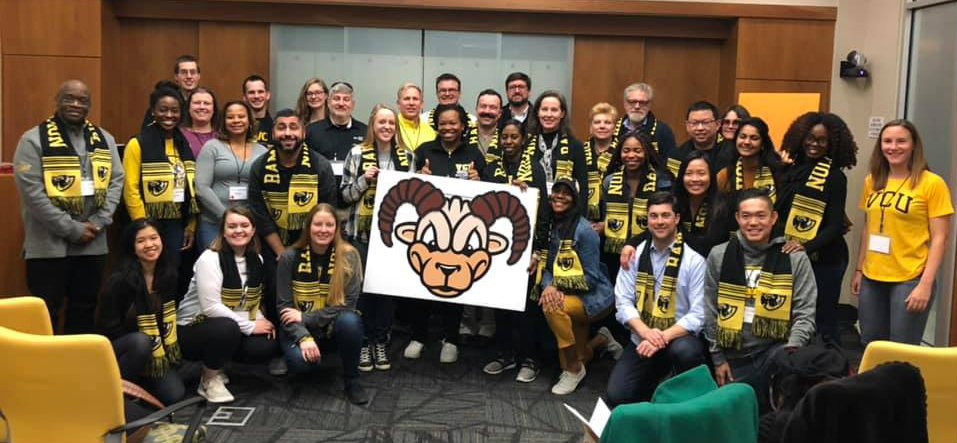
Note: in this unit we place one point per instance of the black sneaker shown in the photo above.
(382, 362)
(355, 393)
(501, 364)
(365, 359)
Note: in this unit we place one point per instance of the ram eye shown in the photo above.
(428, 237)
(473, 244)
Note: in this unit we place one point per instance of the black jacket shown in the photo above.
(332, 141)
(446, 164)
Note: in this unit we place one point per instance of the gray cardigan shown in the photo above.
(51, 232)
(803, 300)
(217, 168)
(315, 322)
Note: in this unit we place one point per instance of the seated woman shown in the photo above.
(575, 290)
(137, 305)
(221, 307)
(318, 282)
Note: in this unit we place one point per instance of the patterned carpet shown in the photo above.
(416, 401)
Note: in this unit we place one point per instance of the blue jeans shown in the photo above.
(882, 310)
(205, 233)
(828, 279)
(347, 333)
(634, 378)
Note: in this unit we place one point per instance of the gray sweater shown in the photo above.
(217, 168)
(50, 232)
(803, 300)
(315, 322)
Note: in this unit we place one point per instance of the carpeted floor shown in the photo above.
(416, 401)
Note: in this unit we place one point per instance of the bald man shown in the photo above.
(70, 178)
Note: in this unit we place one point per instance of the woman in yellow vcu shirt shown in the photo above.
(908, 212)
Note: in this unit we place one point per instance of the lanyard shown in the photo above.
(897, 195)
(239, 167)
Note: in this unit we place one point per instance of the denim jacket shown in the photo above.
(586, 243)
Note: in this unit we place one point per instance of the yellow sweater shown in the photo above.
(415, 132)
(132, 159)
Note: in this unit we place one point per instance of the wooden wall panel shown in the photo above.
(682, 72)
(729, 57)
(771, 49)
(604, 66)
(824, 88)
(147, 50)
(229, 52)
(29, 86)
(67, 27)
(13, 272)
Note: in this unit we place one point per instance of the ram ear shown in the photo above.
(405, 232)
(497, 243)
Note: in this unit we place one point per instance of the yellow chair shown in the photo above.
(25, 314)
(937, 366)
(65, 389)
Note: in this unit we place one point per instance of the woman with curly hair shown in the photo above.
(811, 205)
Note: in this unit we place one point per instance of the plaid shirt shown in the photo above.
(354, 184)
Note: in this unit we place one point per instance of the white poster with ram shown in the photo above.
(451, 240)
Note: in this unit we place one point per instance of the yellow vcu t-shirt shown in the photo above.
(907, 214)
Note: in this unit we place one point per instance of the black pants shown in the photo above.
(377, 310)
(634, 378)
(215, 341)
(133, 352)
(76, 278)
(450, 315)
(527, 324)
(268, 303)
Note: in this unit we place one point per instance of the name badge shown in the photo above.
(86, 187)
(238, 193)
(179, 195)
(337, 167)
(749, 314)
(462, 175)
(548, 187)
(879, 243)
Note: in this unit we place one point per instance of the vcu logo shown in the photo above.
(306, 306)
(101, 172)
(368, 201)
(63, 182)
(565, 263)
(615, 225)
(663, 303)
(302, 198)
(727, 311)
(157, 188)
(803, 224)
(772, 302)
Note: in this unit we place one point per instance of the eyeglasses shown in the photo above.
(73, 100)
(315, 93)
(188, 71)
(702, 123)
(641, 103)
(730, 122)
(517, 87)
(448, 90)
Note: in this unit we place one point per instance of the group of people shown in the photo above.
(721, 251)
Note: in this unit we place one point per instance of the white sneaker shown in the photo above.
(449, 353)
(567, 382)
(413, 350)
(528, 372)
(277, 367)
(214, 390)
(222, 376)
(613, 347)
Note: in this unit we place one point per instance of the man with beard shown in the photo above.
(637, 104)
(70, 179)
(703, 127)
(334, 136)
(518, 86)
(414, 128)
(758, 299)
(284, 185)
(256, 95)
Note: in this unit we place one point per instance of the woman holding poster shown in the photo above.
(575, 290)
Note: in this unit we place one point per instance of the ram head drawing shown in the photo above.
(451, 245)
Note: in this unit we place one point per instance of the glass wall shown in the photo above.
(376, 61)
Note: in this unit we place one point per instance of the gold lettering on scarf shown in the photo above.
(818, 176)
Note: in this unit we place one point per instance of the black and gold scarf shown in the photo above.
(597, 168)
(563, 161)
(160, 327)
(493, 155)
(311, 277)
(62, 171)
(235, 295)
(369, 159)
(763, 178)
(160, 176)
(771, 296)
(625, 216)
(290, 200)
(658, 312)
(807, 209)
(697, 224)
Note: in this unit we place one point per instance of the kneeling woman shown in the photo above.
(137, 308)
(221, 308)
(575, 287)
(318, 281)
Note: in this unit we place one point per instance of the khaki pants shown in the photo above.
(570, 326)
